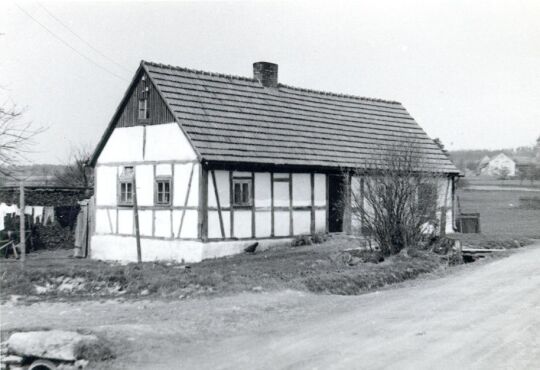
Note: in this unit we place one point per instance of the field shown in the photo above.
(500, 214)
(491, 181)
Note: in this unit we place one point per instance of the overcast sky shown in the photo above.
(468, 72)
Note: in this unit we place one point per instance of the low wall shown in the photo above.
(124, 248)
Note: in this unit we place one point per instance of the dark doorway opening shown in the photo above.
(336, 188)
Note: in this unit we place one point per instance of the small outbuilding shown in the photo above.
(218, 161)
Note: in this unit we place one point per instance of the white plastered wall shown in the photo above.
(444, 201)
(121, 248)
(162, 150)
(147, 143)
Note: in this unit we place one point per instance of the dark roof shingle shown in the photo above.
(236, 119)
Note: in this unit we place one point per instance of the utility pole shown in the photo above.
(22, 230)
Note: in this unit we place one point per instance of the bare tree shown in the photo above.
(77, 172)
(397, 200)
(15, 137)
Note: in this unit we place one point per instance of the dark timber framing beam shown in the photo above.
(203, 204)
(216, 194)
(231, 203)
(188, 190)
(312, 217)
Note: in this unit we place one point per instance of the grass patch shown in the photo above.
(393, 270)
(491, 241)
(500, 214)
(307, 267)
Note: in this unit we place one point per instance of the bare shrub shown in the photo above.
(397, 201)
(15, 137)
(76, 173)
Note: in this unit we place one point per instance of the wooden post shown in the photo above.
(22, 230)
(136, 211)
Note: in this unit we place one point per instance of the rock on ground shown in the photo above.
(53, 344)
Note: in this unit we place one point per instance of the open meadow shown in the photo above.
(500, 212)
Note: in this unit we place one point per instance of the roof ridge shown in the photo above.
(339, 95)
(198, 71)
(244, 78)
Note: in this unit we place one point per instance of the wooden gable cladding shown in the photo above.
(157, 109)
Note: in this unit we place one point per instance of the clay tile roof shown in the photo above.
(236, 119)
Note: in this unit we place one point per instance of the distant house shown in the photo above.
(500, 165)
(219, 162)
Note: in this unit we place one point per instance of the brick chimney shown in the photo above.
(266, 73)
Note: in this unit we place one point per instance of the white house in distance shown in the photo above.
(219, 161)
(498, 165)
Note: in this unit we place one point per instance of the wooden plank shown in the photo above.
(186, 200)
(291, 213)
(134, 163)
(327, 178)
(231, 200)
(110, 221)
(252, 195)
(144, 147)
(136, 215)
(203, 203)
(216, 193)
(347, 211)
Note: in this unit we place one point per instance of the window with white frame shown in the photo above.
(162, 191)
(242, 192)
(125, 186)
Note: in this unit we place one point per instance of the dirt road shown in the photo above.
(479, 317)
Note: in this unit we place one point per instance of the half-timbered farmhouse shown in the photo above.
(218, 161)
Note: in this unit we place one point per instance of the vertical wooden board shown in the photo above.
(203, 203)
(252, 195)
(347, 211)
(242, 221)
(302, 222)
(312, 211)
(262, 189)
(291, 202)
(327, 179)
(163, 223)
(159, 113)
(272, 232)
(263, 219)
(301, 189)
(146, 222)
(231, 197)
(216, 197)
